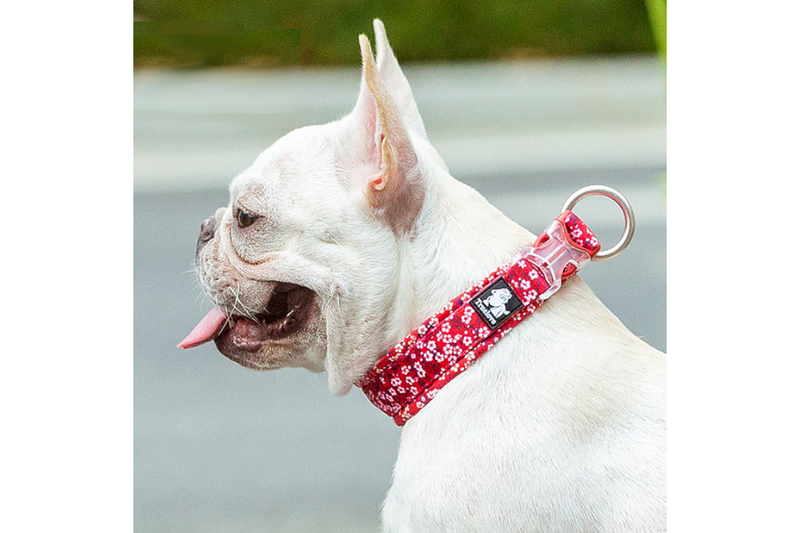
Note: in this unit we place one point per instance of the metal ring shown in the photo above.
(622, 202)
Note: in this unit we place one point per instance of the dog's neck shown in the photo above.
(460, 238)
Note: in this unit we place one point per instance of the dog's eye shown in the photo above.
(244, 218)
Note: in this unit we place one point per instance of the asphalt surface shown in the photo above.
(222, 448)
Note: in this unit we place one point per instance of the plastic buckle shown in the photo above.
(553, 254)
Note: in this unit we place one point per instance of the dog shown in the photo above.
(342, 238)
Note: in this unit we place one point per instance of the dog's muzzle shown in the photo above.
(281, 310)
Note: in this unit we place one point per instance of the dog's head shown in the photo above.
(303, 264)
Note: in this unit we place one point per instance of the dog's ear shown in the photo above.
(394, 185)
(396, 81)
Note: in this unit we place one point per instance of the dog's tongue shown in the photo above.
(206, 330)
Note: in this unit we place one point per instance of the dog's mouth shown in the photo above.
(285, 313)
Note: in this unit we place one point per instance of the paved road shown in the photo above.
(221, 448)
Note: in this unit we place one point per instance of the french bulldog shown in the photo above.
(342, 238)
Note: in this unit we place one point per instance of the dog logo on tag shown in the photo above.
(496, 303)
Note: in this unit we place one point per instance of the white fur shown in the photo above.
(560, 427)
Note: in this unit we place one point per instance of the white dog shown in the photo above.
(341, 239)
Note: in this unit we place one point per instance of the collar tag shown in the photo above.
(496, 304)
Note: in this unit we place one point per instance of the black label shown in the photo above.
(496, 304)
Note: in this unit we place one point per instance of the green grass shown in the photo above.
(657, 9)
(268, 32)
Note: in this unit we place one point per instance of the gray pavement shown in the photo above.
(198, 128)
(221, 448)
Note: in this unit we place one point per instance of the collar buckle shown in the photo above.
(552, 253)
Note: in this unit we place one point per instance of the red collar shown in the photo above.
(404, 380)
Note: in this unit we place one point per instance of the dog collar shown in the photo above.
(408, 377)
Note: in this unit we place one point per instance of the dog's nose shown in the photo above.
(207, 229)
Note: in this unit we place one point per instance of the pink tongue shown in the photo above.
(206, 330)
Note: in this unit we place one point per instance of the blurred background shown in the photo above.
(526, 102)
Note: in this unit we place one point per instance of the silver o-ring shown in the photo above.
(622, 202)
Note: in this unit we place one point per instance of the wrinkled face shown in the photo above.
(293, 255)
(304, 264)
